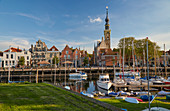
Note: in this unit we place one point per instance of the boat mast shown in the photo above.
(9, 64)
(148, 70)
(76, 61)
(155, 59)
(123, 57)
(120, 60)
(144, 61)
(133, 56)
(165, 61)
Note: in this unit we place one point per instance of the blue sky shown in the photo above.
(80, 23)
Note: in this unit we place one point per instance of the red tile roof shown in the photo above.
(53, 47)
(13, 50)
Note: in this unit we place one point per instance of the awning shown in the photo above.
(43, 62)
(67, 62)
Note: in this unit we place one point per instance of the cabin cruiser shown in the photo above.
(119, 81)
(132, 82)
(157, 80)
(128, 74)
(145, 82)
(167, 82)
(104, 82)
(78, 74)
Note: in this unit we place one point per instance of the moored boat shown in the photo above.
(163, 93)
(87, 94)
(78, 74)
(104, 82)
(167, 82)
(120, 97)
(168, 97)
(131, 100)
(113, 94)
(146, 98)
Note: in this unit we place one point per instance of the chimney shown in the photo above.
(18, 49)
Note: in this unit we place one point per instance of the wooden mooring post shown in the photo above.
(42, 75)
(37, 76)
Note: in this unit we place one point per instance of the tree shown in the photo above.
(21, 61)
(55, 60)
(139, 47)
(85, 61)
(128, 47)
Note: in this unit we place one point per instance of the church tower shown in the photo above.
(107, 31)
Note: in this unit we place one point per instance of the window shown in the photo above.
(7, 56)
(53, 49)
(11, 56)
(67, 52)
(76, 51)
(51, 55)
(18, 57)
(55, 54)
(65, 56)
(68, 56)
(6, 62)
(27, 57)
(27, 63)
(13, 62)
(25, 52)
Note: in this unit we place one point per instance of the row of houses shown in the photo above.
(40, 54)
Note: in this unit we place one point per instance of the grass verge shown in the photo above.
(158, 102)
(41, 96)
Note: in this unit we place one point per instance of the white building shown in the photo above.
(13, 55)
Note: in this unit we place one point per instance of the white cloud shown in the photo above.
(160, 39)
(14, 42)
(98, 19)
(29, 16)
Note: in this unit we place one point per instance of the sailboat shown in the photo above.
(123, 74)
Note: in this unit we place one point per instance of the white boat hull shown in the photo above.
(131, 100)
(104, 85)
(120, 97)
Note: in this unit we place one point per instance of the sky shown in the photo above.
(80, 23)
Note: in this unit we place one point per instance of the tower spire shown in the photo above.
(107, 19)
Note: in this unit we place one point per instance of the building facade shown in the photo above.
(73, 57)
(51, 53)
(38, 52)
(11, 57)
(66, 55)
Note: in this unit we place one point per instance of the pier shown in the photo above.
(48, 73)
(141, 87)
